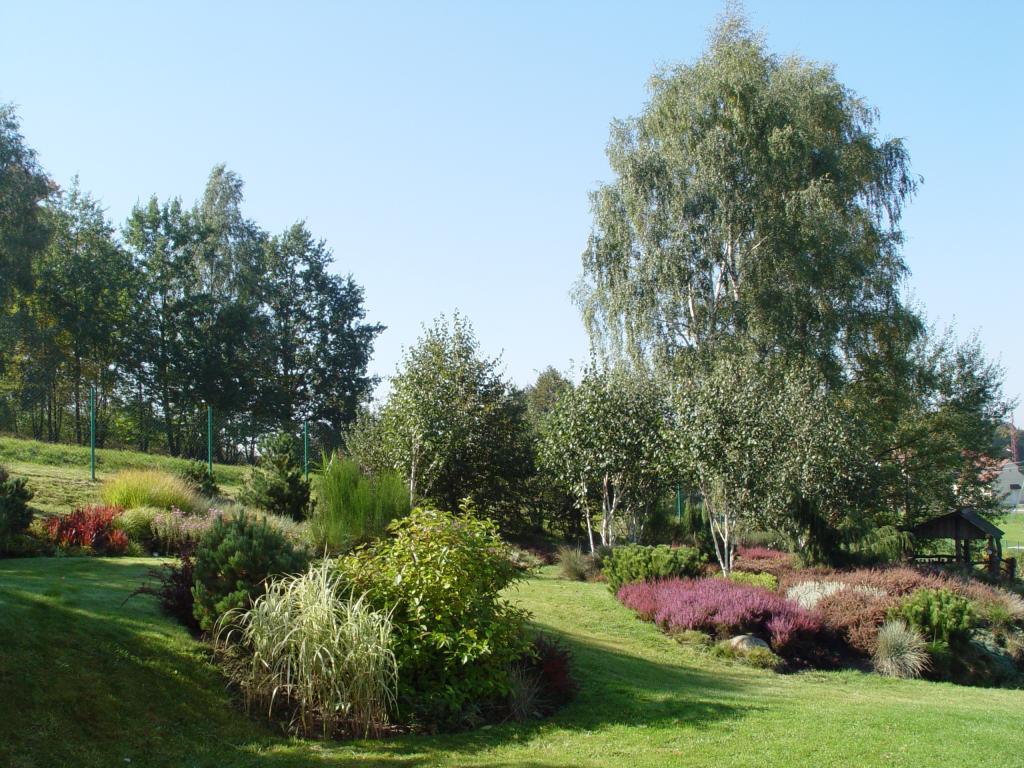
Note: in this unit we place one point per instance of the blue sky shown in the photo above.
(445, 151)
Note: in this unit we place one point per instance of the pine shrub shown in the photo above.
(277, 484)
(233, 560)
(15, 514)
(633, 563)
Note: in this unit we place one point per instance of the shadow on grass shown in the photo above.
(85, 680)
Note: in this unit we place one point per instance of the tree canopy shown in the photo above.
(753, 198)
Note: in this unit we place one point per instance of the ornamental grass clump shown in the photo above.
(174, 530)
(352, 507)
(150, 488)
(575, 564)
(310, 649)
(722, 608)
(900, 651)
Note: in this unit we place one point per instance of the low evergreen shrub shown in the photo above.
(197, 474)
(633, 563)
(15, 514)
(233, 560)
(764, 580)
(722, 608)
(939, 615)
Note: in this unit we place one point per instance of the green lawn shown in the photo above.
(87, 679)
(1013, 533)
(58, 474)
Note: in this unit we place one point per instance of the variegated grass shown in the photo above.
(309, 648)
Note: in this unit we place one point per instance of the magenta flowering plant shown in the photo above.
(721, 607)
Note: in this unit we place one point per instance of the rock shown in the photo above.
(747, 643)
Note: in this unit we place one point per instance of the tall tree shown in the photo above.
(768, 445)
(23, 189)
(752, 198)
(609, 435)
(83, 283)
(451, 424)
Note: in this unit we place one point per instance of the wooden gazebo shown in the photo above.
(963, 526)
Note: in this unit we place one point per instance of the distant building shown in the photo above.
(1007, 485)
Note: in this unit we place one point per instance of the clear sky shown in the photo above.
(445, 151)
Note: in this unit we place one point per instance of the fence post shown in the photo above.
(92, 432)
(305, 448)
(209, 440)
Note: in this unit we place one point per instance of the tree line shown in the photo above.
(753, 350)
(179, 308)
(743, 285)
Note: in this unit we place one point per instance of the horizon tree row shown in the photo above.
(183, 307)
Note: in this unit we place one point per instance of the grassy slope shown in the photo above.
(59, 474)
(86, 680)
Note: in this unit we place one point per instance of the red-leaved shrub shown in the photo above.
(763, 560)
(855, 615)
(89, 528)
(722, 608)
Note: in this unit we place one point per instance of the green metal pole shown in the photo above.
(92, 432)
(305, 448)
(209, 440)
(679, 503)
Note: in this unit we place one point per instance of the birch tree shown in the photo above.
(752, 198)
(608, 436)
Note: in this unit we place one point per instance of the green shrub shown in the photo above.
(277, 484)
(575, 564)
(763, 658)
(692, 637)
(133, 488)
(138, 524)
(900, 651)
(765, 580)
(197, 474)
(353, 508)
(523, 559)
(939, 615)
(233, 559)
(440, 577)
(308, 647)
(636, 563)
(15, 515)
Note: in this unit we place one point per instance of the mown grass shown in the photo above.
(58, 474)
(88, 680)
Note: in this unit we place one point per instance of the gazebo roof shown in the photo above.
(964, 523)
